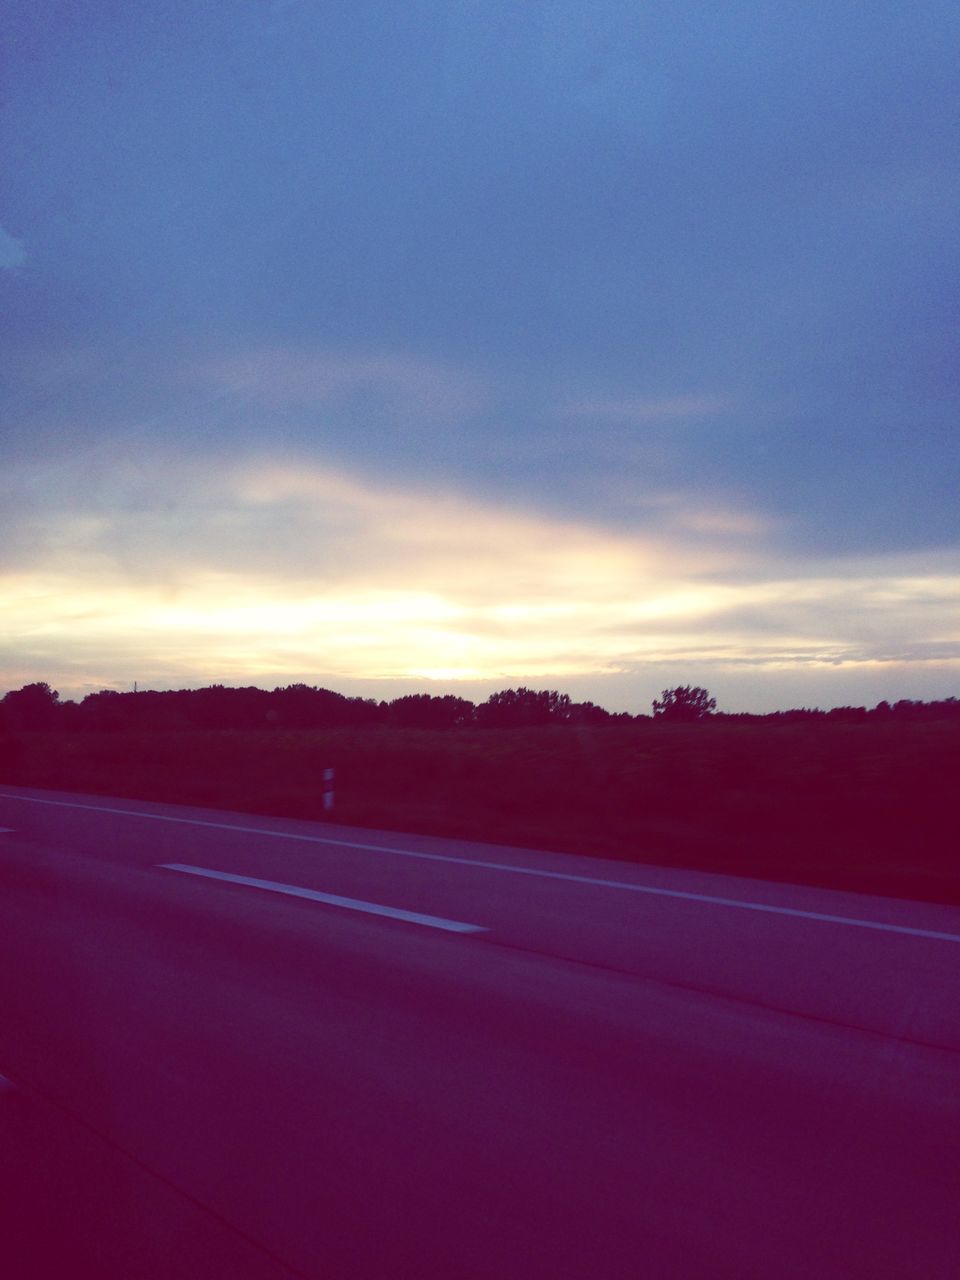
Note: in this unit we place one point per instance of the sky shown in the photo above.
(449, 347)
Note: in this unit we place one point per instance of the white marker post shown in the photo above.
(327, 790)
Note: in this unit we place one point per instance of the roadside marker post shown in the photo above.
(327, 790)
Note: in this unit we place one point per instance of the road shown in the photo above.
(259, 1048)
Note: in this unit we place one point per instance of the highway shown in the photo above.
(261, 1048)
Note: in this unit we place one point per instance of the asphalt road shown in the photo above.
(260, 1048)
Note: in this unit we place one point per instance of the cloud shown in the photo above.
(297, 523)
(211, 569)
(687, 512)
(282, 378)
(12, 252)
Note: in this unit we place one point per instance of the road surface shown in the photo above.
(260, 1048)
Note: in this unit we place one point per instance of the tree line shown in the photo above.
(296, 706)
(300, 706)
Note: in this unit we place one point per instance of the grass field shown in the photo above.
(862, 806)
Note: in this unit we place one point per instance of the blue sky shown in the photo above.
(451, 346)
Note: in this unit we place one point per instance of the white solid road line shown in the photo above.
(331, 899)
(517, 871)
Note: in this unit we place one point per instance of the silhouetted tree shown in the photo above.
(851, 715)
(516, 708)
(424, 711)
(35, 706)
(684, 704)
(103, 712)
(589, 713)
(222, 707)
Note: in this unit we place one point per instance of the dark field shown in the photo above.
(869, 806)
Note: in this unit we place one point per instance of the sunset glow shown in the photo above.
(462, 593)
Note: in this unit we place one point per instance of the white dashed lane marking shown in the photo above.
(708, 899)
(330, 899)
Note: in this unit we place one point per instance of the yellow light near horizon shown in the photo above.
(691, 602)
(446, 673)
(289, 568)
(230, 625)
(270, 613)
